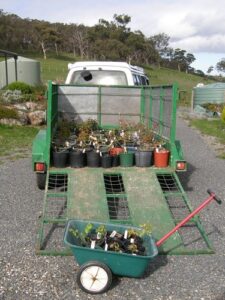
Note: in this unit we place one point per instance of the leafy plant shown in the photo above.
(8, 113)
(146, 229)
(20, 86)
(223, 115)
(145, 136)
(101, 230)
(82, 235)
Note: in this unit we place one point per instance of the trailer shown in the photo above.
(121, 195)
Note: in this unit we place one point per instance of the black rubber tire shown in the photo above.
(41, 180)
(89, 264)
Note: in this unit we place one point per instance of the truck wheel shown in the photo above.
(41, 180)
(94, 277)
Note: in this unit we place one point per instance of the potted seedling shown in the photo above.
(161, 157)
(77, 155)
(83, 237)
(126, 134)
(144, 155)
(60, 144)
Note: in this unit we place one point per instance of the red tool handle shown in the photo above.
(195, 212)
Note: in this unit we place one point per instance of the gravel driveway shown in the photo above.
(26, 276)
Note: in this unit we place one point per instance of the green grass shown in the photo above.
(185, 81)
(56, 68)
(15, 140)
(213, 127)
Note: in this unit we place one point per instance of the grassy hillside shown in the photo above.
(186, 82)
(55, 68)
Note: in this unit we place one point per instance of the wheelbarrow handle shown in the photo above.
(191, 215)
(211, 193)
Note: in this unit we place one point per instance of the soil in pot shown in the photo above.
(126, 159)
(161, 158)
(60, 158)
(106, 161)
(93, 159)
(144, 158)
(77, 159)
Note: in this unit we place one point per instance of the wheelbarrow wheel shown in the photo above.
(94, 277)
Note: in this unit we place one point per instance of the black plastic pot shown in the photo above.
(93, 159)
(115, 160)
(144, 158)
(106, 161)
(77, 159)
(60, 158)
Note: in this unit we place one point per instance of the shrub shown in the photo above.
(223, 115)
(21, 86)
(7, 113)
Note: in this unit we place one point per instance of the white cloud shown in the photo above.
(195, 26)
(214, 43)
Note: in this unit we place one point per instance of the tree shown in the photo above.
(46, 36)
(179, 58)
(122, 21)
(161, 43)
(220, 66)
(189, 60)
(210, 69)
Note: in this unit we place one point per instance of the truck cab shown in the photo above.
(106, 73)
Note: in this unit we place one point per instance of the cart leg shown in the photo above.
(94, 277)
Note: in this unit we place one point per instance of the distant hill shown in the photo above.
(56, 68)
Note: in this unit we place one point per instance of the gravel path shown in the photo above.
(26, 276)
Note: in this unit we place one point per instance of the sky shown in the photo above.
(197, 26)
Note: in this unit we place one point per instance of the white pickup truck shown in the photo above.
(106, 73)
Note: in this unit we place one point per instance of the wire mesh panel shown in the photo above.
(168, 183)
(155, 106)
(56, 207)
(57, 182)
(191, 237)
(117, 103)
(113, 183)
(167, 110)
(161, 107)
(118, 208)
(116, 197)
(78, 103)
(52, 238)
(56, 197)
(178, 208)
(191, 233)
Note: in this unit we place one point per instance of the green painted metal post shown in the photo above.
(142, 108)
(174, 112)
(99, 113)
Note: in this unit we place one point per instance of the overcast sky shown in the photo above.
(197, 26)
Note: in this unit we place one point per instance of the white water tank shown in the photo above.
(28, 71)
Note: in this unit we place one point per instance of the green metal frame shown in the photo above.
(41, 152)
(69, 196)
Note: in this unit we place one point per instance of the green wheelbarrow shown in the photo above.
(97, 265)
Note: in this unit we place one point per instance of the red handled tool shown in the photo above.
(191, 215)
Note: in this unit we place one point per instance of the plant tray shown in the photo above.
(121, 264)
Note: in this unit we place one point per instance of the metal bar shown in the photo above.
(150, 108)
(142, 106)
(99, 113)
(174, 112)
(6, 70)
(16, 75)
(197, 210)
(161, 106)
